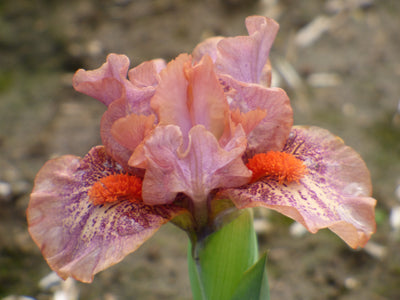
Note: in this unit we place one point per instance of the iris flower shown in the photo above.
(189, 141)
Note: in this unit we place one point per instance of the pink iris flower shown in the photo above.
(186, 141)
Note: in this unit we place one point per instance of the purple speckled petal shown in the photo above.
(77, 238)
(335, 193)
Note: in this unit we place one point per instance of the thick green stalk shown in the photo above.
(218, 262)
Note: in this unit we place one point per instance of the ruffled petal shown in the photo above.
(335, 193)
(207, 47)
(245, 57)
(194, 171)
(116, 110)
(170, 100)
(146, 74)
(80, 239)
(105, 83)
(116, 138)
(191, 95)
(271, 133)
(240, 123)
(205, 97)
(109, 82)
(130, 131)
(248, 120)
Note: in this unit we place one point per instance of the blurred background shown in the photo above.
(337, 59)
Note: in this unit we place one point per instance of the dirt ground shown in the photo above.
(337, 59)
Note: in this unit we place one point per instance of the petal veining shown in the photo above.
(335, 193)
(170, 100)
(76, 237)
(206, 99)
(194, 170)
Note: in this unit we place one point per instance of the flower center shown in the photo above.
(279, 166)
(116, 187)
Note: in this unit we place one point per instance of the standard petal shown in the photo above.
(105, 83)
(109, 82)
(205, 97)
(245, 57)
(146, 74)
(335, 193)
(209, 47)
(116, 110)
(77, 238)
(194, 171)
(271, 133)
(170, 100)
(116, 138)
(131, 130)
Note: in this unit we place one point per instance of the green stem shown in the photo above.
(217, 262)
(195, 274)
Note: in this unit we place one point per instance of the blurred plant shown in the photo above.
(196, 142)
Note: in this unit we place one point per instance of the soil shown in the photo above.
(342, 74)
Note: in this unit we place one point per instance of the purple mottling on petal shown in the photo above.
(335, 193)
(77, 238)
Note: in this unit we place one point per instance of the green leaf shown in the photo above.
(217, 263)
(254, 284)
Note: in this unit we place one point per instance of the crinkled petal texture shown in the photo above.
(124, 97)
(121, 131)
(194, 170)
(272, 132)
(244, 70)
(244, 58)
(335, 193)
(190, 95)
(109, 82)
(183, 154)
(80, 239)
(105, 84)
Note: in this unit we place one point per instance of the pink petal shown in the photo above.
(194, 170)
(335, 193)
(130, 131)
(191, 95)
(248, 120)
(116, 110)
(170, 100)
(271, 133)
(205, 98)
(77, 238)
(109, 83)
(207, 47)
(140, 88)
(245, 57)
(241, 123)
(116, 140)
(105, 84)
(146, 74)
